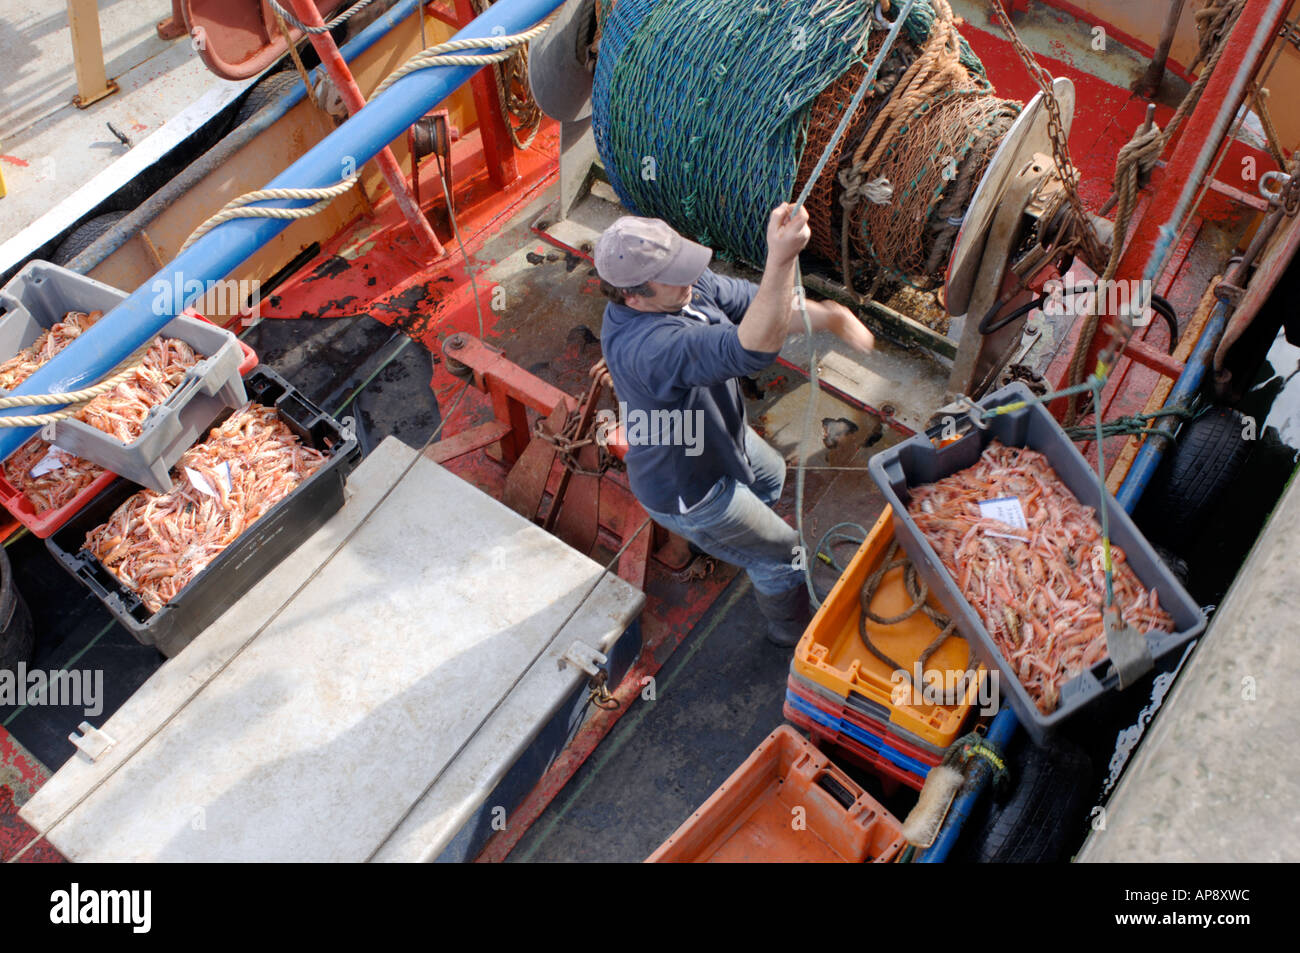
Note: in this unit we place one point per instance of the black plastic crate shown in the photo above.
(257, 550)
(917, 462)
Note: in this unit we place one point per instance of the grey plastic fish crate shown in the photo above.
(41, 294)
(917, 462)
(262, 545)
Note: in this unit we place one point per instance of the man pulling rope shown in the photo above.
(677, 338)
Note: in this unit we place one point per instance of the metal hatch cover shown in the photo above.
(361, 719)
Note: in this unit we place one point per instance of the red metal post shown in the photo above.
(337, 67)
(1152, 357)
(1164, 190)
(498, 149)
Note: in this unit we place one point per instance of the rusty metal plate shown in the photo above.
(578, 521)
(526, 481)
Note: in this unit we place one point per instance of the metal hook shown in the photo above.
(973, 411)
(1273, 196)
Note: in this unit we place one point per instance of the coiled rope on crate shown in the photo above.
(919, 593)
(450, 53)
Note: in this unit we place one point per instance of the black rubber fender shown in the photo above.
(17, 637)
(268, 89)
(85, 235)
(1206, 460)
(1041, 817)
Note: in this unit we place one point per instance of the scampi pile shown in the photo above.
(50, 342)
(1040, 590)
(48, 483)
(156, 543)
(50, 477)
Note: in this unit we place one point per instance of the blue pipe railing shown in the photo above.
(1001, 730)
(1184, 390)
(146, 311)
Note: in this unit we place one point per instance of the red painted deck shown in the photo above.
(20, 776)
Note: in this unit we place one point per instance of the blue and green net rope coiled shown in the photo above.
(701, 107)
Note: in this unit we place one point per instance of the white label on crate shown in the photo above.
(223, 474)
(48, 463)
(200, 482)
(1006, 510)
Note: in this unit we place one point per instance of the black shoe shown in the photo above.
(787, 614)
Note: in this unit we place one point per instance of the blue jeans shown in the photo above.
(736, 523)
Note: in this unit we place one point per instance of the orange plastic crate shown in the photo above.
(786, 804)
(831, 652)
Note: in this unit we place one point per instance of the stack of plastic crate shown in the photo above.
(896, 722)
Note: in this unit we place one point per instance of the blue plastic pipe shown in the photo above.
(1184, 390)
(145, 312)
(1000, 733)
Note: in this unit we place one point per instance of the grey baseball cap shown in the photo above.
(560, 64)
(636, 250)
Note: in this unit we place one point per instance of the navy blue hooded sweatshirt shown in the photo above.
(686, 362)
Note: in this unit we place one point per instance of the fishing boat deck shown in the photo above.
(339, 332)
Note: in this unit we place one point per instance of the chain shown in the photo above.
(514, 91)
(1087, 236)
(569, 443)
(1290, 196)
(1291, 33)
(598, 692)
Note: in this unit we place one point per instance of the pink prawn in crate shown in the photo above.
(155, 543)
(121, 413)
(1039, 589)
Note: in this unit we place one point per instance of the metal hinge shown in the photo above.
(584, 657)
(91, 742)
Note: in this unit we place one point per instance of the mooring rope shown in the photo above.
(288, 17)
(1136, 159)
(77, 398)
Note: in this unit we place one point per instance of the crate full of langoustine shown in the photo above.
(264, 478)
(191, 373)
(1003, 525)
(43, 483)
